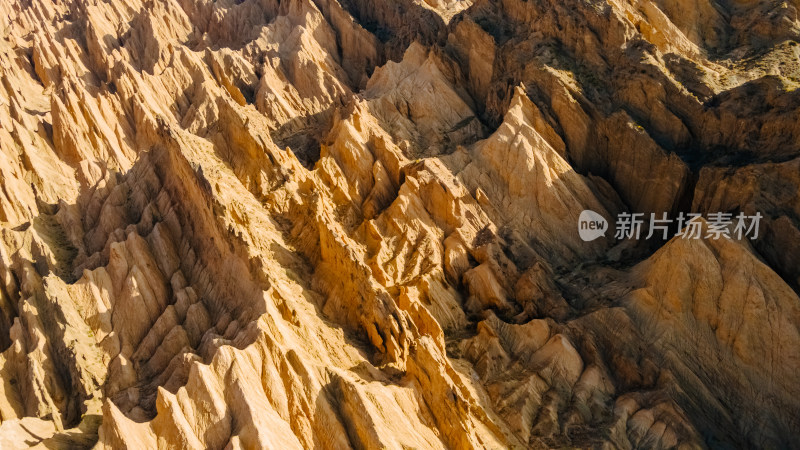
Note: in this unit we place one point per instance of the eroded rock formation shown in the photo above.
(345, 224)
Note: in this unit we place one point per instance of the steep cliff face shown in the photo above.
(346, 224)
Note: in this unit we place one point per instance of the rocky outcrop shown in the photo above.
(346, 224)
(726, 302)
(765, 189)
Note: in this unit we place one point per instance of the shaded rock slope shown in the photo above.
(330, 224)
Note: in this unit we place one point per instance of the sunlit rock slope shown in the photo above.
(331, 224)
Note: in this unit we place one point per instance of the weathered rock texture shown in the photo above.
(332, 224)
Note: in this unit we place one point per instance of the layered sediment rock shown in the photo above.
(348, 224)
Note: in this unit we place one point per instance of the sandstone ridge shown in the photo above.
(329, 224)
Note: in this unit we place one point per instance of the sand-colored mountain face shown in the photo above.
(331, 224)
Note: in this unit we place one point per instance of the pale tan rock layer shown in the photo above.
(331, 224)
